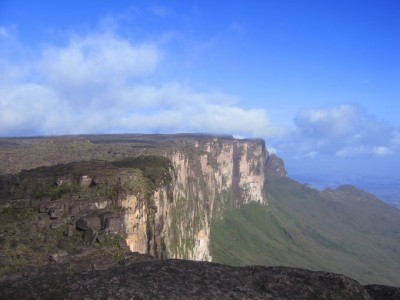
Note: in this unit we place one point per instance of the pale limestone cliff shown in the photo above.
(208, 176)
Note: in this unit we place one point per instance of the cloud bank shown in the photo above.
(103, 83)
(344, 131)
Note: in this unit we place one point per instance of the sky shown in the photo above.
(317, 79)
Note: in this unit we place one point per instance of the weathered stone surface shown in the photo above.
(42, 216)
(69, 230)
(101, 237)
(176, 279)
(102, 263)
(56, 224)
(85, 181)
(92, 221)
(113, 225)
(55, 213)
(74, 210)
(59, 256)
(83, 251)
(21, 203)
(275, 167)
(90, 236)
(382, 292)
(104, 216)
(43, 208)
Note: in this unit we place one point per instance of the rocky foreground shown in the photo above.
(181, 279)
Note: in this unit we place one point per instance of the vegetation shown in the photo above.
(22, 241)
(51, 191)
(305, 228)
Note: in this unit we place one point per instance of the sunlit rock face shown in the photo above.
(163, 191)
(209, 175)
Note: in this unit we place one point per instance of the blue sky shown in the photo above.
(319, 80)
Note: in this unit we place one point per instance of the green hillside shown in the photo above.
(345, 231)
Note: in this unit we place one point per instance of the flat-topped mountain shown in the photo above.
(76, 204)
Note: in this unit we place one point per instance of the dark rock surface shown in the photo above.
(382, 292)
(179, 279)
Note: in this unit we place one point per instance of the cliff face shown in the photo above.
(159, 193)
(208, 177)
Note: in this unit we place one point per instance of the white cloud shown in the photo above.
(382, 151)
(25, 109)
(271, 150)
(347, 152)
(225, 119)
(101, 83)
(343, 131)
(333, 122)
(99, 58)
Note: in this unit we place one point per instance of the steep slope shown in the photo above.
(346, 231)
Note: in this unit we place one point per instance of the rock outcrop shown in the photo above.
(179, 279)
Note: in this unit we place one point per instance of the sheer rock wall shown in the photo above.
(208, 177)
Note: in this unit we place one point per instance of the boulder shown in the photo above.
(85, 181)
(101, 237)
(113, 225)
(90, 236)
(104, 217)
(91, 221)
(46, 206)
(69, 230)
(55, 213)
